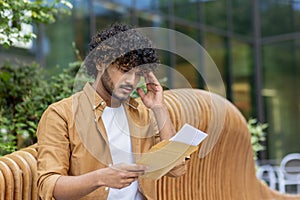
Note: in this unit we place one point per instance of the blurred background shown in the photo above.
(255, 45)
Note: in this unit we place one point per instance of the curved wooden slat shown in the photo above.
(9, 181)
(26, 174)
(17, 173)
(31, 161)
(223, 168)
(2, 186)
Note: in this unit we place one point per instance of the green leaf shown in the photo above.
(5, 76)
(32, 124)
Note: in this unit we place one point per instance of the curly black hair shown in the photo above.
(122, 45)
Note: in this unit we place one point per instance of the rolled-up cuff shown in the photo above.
(46, 188)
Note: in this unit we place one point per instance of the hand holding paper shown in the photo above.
(165, 155)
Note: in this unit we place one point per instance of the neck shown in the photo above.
(108, 98)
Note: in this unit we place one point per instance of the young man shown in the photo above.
(88, 143)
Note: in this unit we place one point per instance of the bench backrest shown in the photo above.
(223, 168)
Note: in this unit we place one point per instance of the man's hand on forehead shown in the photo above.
(154, 95)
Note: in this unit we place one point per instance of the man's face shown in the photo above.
(119, 83)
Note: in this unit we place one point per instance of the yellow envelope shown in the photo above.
(162, 157)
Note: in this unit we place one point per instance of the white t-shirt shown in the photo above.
(117, 129)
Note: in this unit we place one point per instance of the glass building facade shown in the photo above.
(255, 45)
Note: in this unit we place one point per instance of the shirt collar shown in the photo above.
(96, 100)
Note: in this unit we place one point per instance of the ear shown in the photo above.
(100, 67)
(98, 77)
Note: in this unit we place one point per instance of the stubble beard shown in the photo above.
(109, 87)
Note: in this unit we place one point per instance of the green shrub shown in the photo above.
(16, 13)
(258, 135)
(25, 93)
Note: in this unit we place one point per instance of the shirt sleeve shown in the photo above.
(53, 151)
(154, 124)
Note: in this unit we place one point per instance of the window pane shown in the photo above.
(215, 47)
(296, 17)
(241, 74)
(186, 9)
(283, 13)
(107, 13)
(56, 46)
(242, 16)
(281, 94)
(81, 26)
(187, 75)
(215, 14)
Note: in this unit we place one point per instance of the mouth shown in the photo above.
(127, 88)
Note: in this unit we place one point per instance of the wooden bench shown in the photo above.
(222, 169)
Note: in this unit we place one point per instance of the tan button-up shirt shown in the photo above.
(72, 140)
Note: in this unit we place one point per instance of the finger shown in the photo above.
(126, 183)
(130, 180)
(150, 78)
(136, 168)
(122, 185)
(129, 167)
(135, 175)
(141, 92)
(153, 87)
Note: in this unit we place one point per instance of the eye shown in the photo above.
(124, 70)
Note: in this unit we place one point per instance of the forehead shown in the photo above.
(127, 68)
